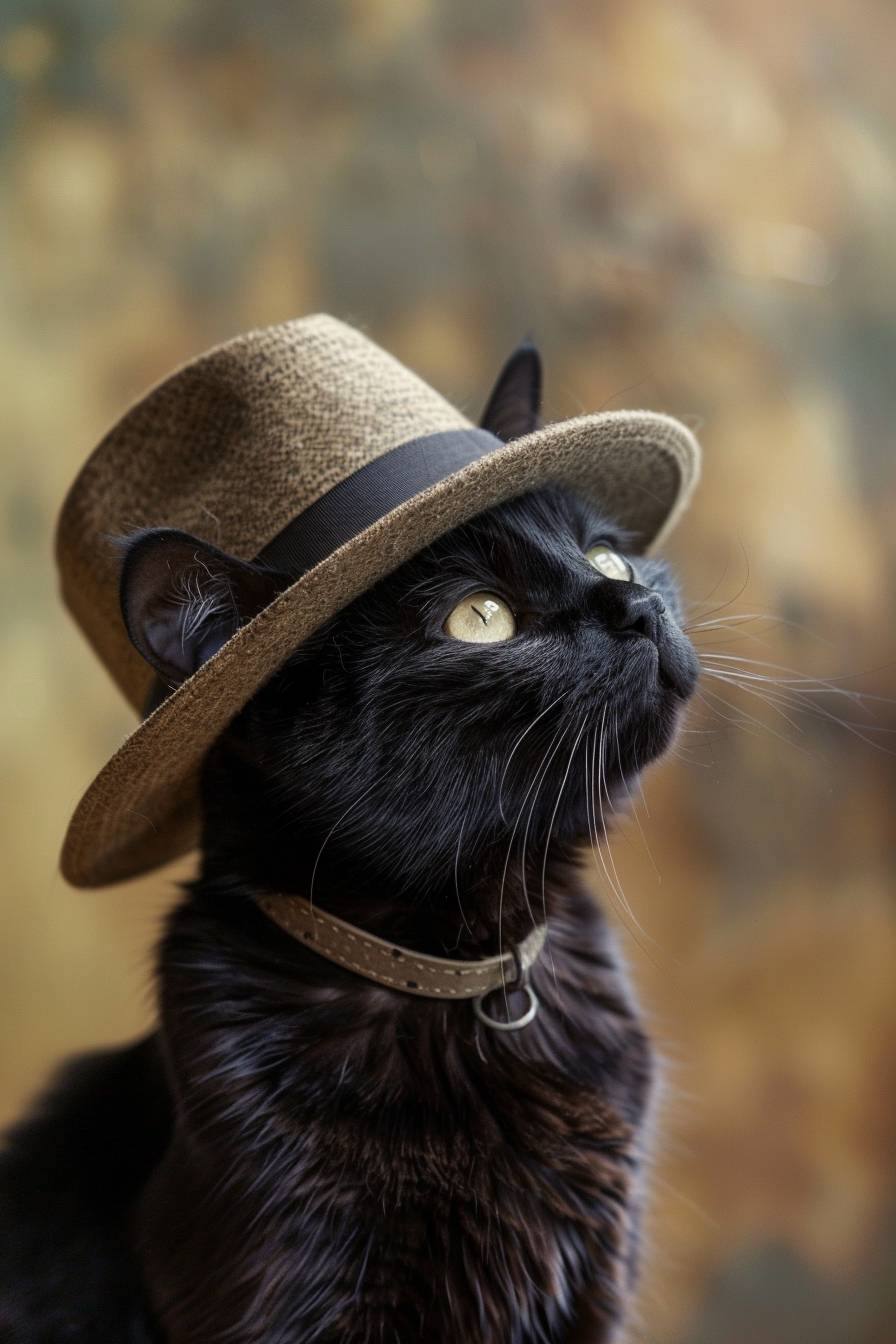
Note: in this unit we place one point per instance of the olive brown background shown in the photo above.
(692, 206)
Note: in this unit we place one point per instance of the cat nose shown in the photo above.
(630, 609)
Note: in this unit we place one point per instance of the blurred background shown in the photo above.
(692, 206)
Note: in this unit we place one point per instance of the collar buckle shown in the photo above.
(520, 983)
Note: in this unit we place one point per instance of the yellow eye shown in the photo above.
(609, 562)
(481, 618)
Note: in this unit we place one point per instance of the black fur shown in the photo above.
(299, 1154)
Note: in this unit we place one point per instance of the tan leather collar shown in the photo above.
(395, 966)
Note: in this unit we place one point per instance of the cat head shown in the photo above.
(503, 687)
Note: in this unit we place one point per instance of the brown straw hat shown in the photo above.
(309, 443)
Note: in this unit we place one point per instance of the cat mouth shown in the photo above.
(673, 672)
(676, 673)
(664, 679)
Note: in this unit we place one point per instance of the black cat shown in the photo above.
(298, 1154)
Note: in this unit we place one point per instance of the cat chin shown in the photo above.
(676, 668)
(667, 724)
(653, 729)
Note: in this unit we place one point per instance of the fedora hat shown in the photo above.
(308, 448)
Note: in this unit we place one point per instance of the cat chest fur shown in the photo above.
(414, 1177)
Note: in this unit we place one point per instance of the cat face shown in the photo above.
(510, 680)
(502, 688)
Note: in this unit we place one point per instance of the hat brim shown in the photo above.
(141, 810)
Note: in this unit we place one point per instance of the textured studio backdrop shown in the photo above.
(692, 206)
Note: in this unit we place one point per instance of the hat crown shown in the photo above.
(231, 447)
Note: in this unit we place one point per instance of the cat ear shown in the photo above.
(182, 598)
(514, 405)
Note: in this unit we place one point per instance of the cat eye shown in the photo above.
(610, 563)
(481, 618)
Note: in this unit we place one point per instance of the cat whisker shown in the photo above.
(739, 619)
(701, 602)
(738, 722)
(767, 699)
(689, 759)
(602, 785)
(723, 606)
(734, 622)
(798, 697)
(547, 842)
(778, 699)
(752, 719)
(633, 809)
(516, 744)
(525, 844)
(536, 783)
(603, 789)
(331, 832)
(640, 783)
(463, 822)
(798, 682)
(731, 629)
(726, 622)
(617, 896)
(593, 833)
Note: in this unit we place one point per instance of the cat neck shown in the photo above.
(479, 918)
(469, 896)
